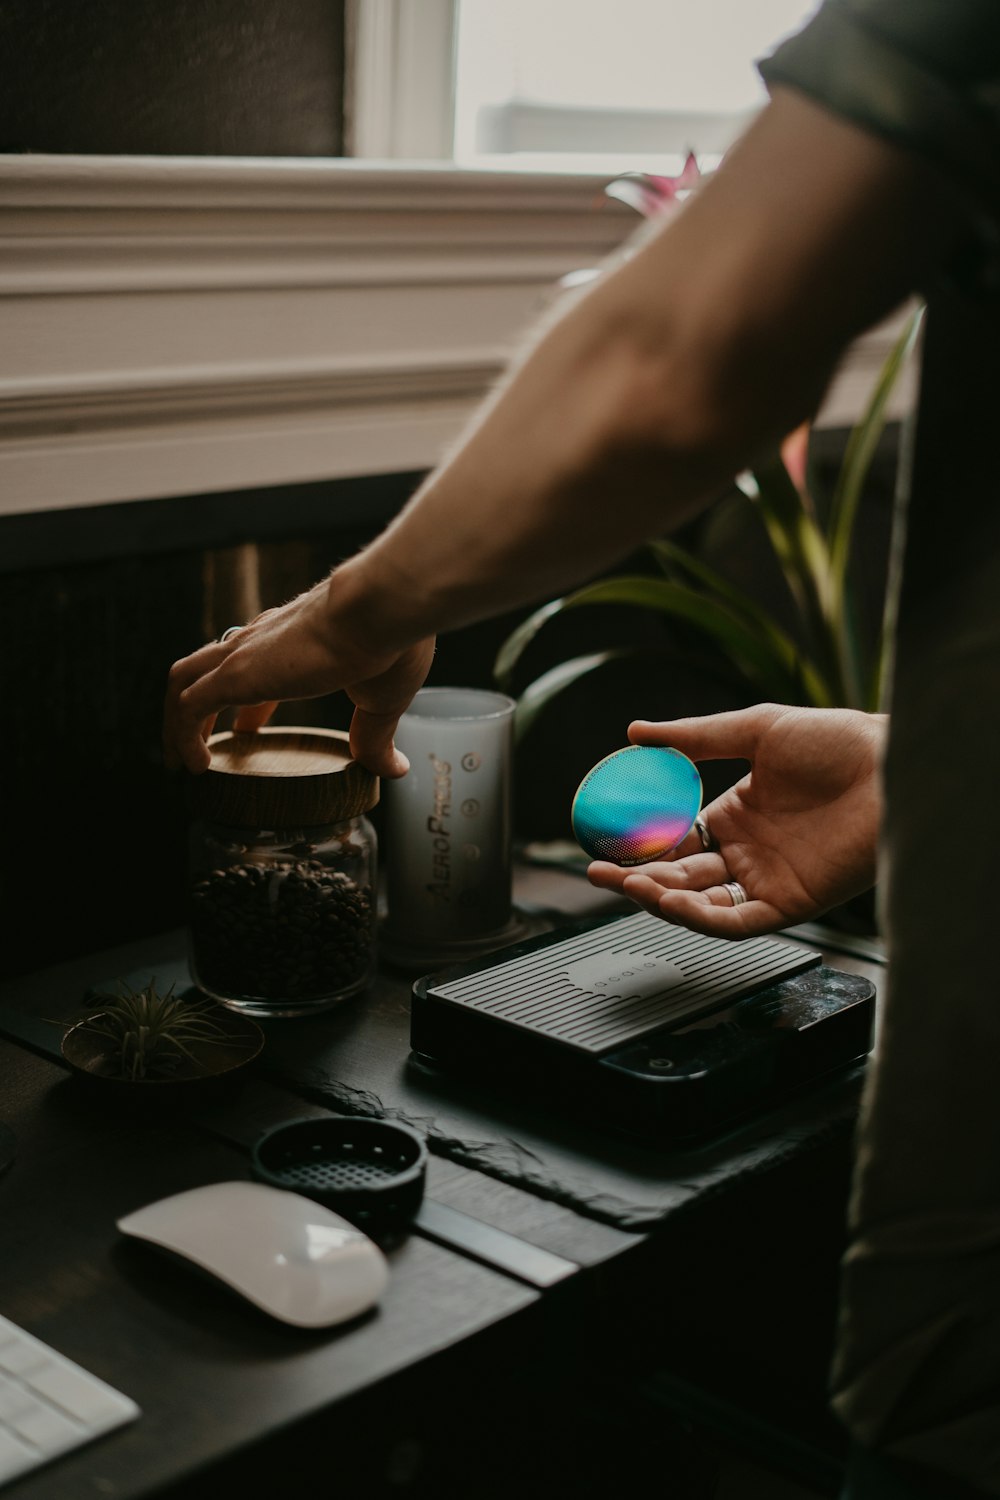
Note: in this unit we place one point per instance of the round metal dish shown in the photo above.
(370, 1171)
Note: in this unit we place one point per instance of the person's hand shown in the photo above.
(798, 833)
(291, 653)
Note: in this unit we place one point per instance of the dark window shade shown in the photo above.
(172, 77)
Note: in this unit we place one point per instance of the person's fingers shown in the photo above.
(718, 917)
(192, 721)
(200, 686)
(689, 844)
(711, 911)
(727, 736)
(695, 872)
(692, 843)
(255, 715)
(648, 891)
(264, 615)
(250, 670)
(186, 711)
(372, 744)
(380, 701)
(606, 876)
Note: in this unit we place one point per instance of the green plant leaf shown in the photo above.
(861, 448)
(670, 556)
(514, 646)
(151, 1031)
(797, 540)
(802, 552)
(816, 688)
(540, 693)
(860, 451)
(770, 662)
(814, 563)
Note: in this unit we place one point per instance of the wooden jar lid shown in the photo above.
(279, 777)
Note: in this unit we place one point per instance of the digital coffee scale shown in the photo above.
(656, 1030)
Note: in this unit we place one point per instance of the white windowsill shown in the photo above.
(179, 326)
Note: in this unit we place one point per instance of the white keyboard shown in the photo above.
(48, 1404)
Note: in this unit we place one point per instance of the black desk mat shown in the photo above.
(356, 1059)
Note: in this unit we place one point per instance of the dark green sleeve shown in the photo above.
(922, 73)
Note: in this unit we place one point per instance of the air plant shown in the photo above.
(153, 1034)
(823, 663)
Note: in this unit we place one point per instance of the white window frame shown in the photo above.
(178, 326)
(401, 91)
(400, 94)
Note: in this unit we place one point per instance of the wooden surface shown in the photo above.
(456, 1353)
(198, 1362)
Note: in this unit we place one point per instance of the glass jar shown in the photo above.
(283, 872)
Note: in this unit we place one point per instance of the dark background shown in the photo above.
(96, 603)
(172, 77)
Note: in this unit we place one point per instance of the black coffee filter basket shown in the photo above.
(370, 1171)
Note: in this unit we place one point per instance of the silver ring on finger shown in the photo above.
(705, 838)
(229, 632)
(737, 894)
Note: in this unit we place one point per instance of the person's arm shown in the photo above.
(629, 413)
(715, 340)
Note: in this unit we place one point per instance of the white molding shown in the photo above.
(172, 326)
(401, 78)
(180, 326)
(214, 391)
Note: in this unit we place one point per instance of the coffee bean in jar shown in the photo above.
(282, 898)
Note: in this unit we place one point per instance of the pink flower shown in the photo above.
(795, 454)
(650, 194)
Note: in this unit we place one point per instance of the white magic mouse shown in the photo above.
(291, 1257)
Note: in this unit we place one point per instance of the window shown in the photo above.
(566, 82)
(560, 84)
(176, 326)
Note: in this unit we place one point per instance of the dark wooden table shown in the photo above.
(464, 1370)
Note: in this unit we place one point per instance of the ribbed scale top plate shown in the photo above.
(636, 805)
(599, 990)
